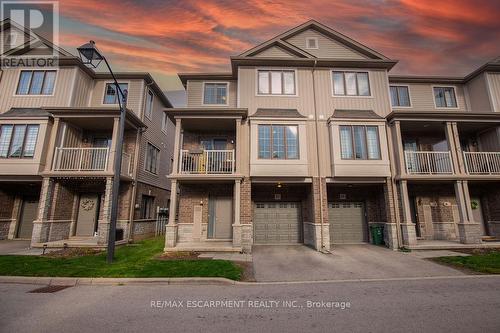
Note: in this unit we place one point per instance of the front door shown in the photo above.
(220, 218)
(87, 214)
(28, 215)
(477, 214)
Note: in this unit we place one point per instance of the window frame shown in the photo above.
(307, 43)
(149, 92)
(23, 145)
(272, 69)
(409, 96)
(227, 83)
(353, 144)
(16, 88)
(454, 87)
(105, 88)
(152, 199)
(345, 95)
(157, 166)
(284, 142)
(164, 122)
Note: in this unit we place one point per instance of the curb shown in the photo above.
(54, 281)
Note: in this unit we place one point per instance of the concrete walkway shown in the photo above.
(300, 263)
(18, 247)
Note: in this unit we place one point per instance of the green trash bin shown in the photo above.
(377, 232)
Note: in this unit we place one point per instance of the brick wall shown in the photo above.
(191, 140)
(246, 201)
(144, 228)
(62, 202)
(161, 197)
(6, 204)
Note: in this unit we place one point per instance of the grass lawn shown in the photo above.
(484, 263)
(130, 261)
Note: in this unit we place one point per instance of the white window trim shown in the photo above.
(332, 91)
(275, 69)
(105, 83)
(35, 69)
(215, 82)
(150, 117)
(409, 96)
(307, 43)
(445, 107)
(164, 122)
(157, 161)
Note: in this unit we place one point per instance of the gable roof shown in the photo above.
(323, 29)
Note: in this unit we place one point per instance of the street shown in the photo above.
(458, 304)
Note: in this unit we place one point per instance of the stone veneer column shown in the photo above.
(246, 225)
(468, 230)
(41, 228)
(104, 221)
(407, 226)
(391, 230)
(318, 229)
(171, 227)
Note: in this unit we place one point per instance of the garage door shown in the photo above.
(347, 222)
(277, 223)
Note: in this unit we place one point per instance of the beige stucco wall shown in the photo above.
(195, 93)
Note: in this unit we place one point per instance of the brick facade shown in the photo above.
(144, 228)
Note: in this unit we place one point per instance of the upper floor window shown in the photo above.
(149, 104)
(359, 142)
(164, 122)
(279, 142)
(36, 83)
(215, 93)
(351, 83)
(18, 140)
(400, 96)
(152, 158)
(111, 93)
(311, 43)
(445, 97)
(276, 82)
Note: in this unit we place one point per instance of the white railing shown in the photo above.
(428, 162)
(207, 162)
(126, 169)
(481, 163)
(81, 159)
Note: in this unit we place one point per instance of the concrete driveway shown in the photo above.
(300, 263)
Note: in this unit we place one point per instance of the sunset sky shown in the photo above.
(449, 37)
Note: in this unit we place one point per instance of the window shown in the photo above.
(400, 96)
(215, 93)
(111, 95)
(36, 83)
(152, 158)
(147, 207)
(351, 83)
(149, 104)
(359, 142)
(18, 141)
(164, 122)
(445, 97)
(276, 82)
(278, 142)
(311, 43)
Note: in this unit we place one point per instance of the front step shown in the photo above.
(490, 239)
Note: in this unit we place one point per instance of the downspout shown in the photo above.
(317, 157)
(134, 183)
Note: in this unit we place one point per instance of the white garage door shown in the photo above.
(277, 223)
(347, 222)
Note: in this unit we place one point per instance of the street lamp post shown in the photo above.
(90, 55)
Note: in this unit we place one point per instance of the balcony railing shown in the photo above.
(81, 159)
(482, 163)
(207, 162)
(428, 162)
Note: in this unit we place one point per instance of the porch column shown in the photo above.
(52, 145)
(114, 144)
(469, 231)
(460, 154)
(104, 221)
(237, 158)
(237, 210)
(399, 147)
(177, 146)
(407, 226)
(41, 228)
(452, 146)
(171, 227)
(391, 230)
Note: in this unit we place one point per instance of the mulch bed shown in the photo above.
(180, 256)
(72, 252)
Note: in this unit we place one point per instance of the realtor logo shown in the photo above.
(29, 31)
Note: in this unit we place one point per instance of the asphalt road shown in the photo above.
(460, 304)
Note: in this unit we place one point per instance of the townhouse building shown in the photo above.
(58, 139)
(310, 140)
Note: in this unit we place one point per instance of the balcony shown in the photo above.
(428, 162)
(88, 159)
(207, 162)
(482, 163)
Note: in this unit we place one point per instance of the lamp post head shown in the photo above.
(90, 55)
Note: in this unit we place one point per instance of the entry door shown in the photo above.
(220, 218)
(87, 214)
(477, 214)
(28, 215)
(347, 222)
